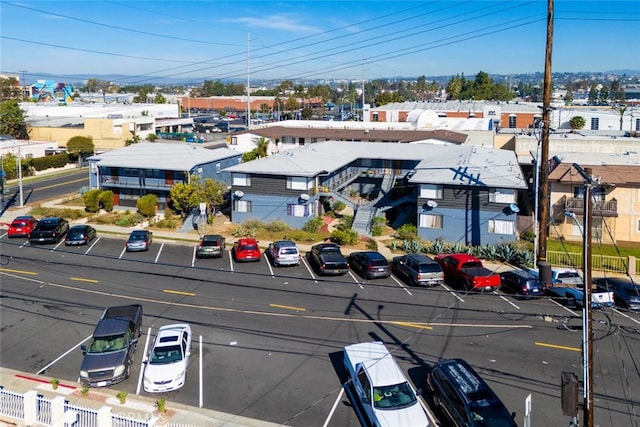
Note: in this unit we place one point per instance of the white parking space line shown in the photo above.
(41, 371)
(507, 300)
(333, 408)
(562, 306)
(201, 382)
(626, 315)
(24, 244)
(56, 246)
(266, 258)
(91, 247)
(123, 251)
(401, 284)
(4, 235)
(144, 356)
(452, 292)
(193, 257)
(355, 279)
(309, 269)
(159, 252)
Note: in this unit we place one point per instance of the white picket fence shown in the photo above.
(34, 409)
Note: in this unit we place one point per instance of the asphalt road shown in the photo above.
(36, 190)
(270, 340)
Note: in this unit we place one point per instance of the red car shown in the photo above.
(22, 226)
(246, 250)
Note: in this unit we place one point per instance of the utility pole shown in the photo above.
(22, 84)
(543, 164)
(587, 331)
(248, 82)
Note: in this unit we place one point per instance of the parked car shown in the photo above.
(626, 294)
(246, 250)
(283, 252)
(464, 398)
(211, 245)
(329, 259)
(139, 240)
(80, 235)
(21, 226)
(521, 283)
(166, 366)
(418, 269)
(49, 230)
(467, 271)
(370, 264)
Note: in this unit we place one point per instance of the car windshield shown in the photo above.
(48, 225)
(289, 251)
(568, 275)
(210, 243)
(164, 355)
(394, 396)
(249, 247)
(106, 344)
(379, 263)
(430, 268)
(138, 237)
(490, 413)
(632, 292)
(18, 224)
(75, 233)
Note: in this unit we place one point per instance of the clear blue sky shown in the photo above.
(313, 39)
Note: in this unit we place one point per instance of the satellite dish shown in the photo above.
(514, 208)
(239, 194)
(432, 204)
(304, 197)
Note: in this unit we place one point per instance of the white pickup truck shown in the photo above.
(568, 286)
(379, 391)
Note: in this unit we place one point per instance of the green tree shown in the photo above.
(91, 200)
(454, 87)
(12, 120)
(262, 144)
(147, 205)
(160, 99)
(80, 145)
(152, 137)
(211, 192)
(622, 111)
(568, 98)
(182, 197)
(9, 88)
(105, 199)
(133, 140)
(577, 122)
(10, 165)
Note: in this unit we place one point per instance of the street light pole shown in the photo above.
(20, 176)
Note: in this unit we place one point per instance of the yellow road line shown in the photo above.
(58, 185)
(190, 294)
(559, 347)
(412, 325)
(288, 307)
(8, 270)
(82, 279)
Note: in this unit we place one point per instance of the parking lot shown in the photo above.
(256, 322)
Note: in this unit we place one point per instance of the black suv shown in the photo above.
(521, 283)
(464, 399)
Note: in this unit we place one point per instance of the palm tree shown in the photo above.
(622, 110)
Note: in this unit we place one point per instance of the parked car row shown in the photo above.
(382, 395)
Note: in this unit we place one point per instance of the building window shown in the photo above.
(512, 121)
(242, 205)
(502, 195)
(637, 124)
(430, 191)
(300, 210)
(241, 180)
(130, 172)
(218, 167)
(499, 226)
(234, 140)
(297, 183)
(431, 221)
(638, 226)
(375, 117)
(288, 140)
(595, 123)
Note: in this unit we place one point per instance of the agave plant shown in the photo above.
(437, 246)
(416, 246)
(457, 248)
(506, 251)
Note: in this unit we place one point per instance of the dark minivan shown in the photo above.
(370, 264)
(464, 399)
(521, 283)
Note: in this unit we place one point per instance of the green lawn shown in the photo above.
(610, 250)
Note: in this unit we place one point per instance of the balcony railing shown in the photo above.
(599, 207)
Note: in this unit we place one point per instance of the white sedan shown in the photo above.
(166, 365)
